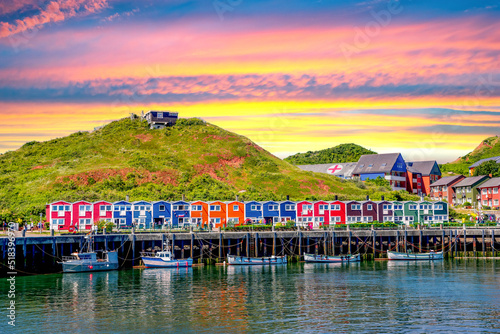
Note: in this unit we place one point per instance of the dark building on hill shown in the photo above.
(390, 166)
(476, 164)
(160, 119)
(420, 176)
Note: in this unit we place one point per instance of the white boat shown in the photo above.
(88, 261)
(164, 259)
(311, 258)
(409, 256)
(249, 261)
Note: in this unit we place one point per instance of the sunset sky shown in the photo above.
(417, 77)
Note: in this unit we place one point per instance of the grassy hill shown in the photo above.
(490, 147)
(340, 153)
(199, 160)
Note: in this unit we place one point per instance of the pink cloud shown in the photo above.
(11, 6)
(55, 11)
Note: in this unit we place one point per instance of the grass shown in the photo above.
(194, 158)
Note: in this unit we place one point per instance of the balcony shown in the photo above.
(395, 178)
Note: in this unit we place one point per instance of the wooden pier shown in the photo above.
(41, 254)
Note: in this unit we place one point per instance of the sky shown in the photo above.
(417, 77)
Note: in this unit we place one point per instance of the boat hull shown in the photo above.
(311, 258)
(78, 267)
(154, 262)
(90, 265)
(414, 256)
(255, 261)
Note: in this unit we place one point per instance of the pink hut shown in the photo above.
(59, 215)
(102, 210)
(337, 212)
(305, 214)
(321, 213)
(82, 215)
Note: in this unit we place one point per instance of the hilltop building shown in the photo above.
(467, 190)
(420, 176)
(160, 119)
(442, 190)
(390, 166)
(342, 170)
(476, 164)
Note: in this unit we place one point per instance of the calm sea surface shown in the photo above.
(446, 296)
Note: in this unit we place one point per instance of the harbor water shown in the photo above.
(377, 296)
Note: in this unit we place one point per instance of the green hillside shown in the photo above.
(199, 160)
(340, 153)
(490, 147)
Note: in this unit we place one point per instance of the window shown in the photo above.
(160, 115)
(398, 218)
(369, 207)
(355, 206)
(214, 207)
(273, 207)
(233, 220)
(495, 202)
(84, 207)
(84, 222)
(176, 207)
(290, 207)
(384, 164)
(236, 208)
(484, 191)
(438, 207)
(335, 207)
(367, 219)
(161, 207)
(361, 166)
(54, 207)
(255, 207)
(469, 189)
(413, 207)
(196, 208)
(66, 208)
(400, 165)
(136, 208)
(335, 219)
(485, 202)
(370, 165)
(387, 218)
(495, 190)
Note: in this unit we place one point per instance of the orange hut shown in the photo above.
(236, 213)
(217, 213)
(199, 213)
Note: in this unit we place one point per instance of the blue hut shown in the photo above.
(271, 212)
(180, 213)
(253, 212)
(162, 214)
(288, 211)
(142, 214)
(122, 214)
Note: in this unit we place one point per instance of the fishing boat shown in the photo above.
(88, 261)
(164, 259)
(409, 256)
(233, 260)
(311, 258)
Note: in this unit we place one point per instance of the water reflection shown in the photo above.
(461, 295)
